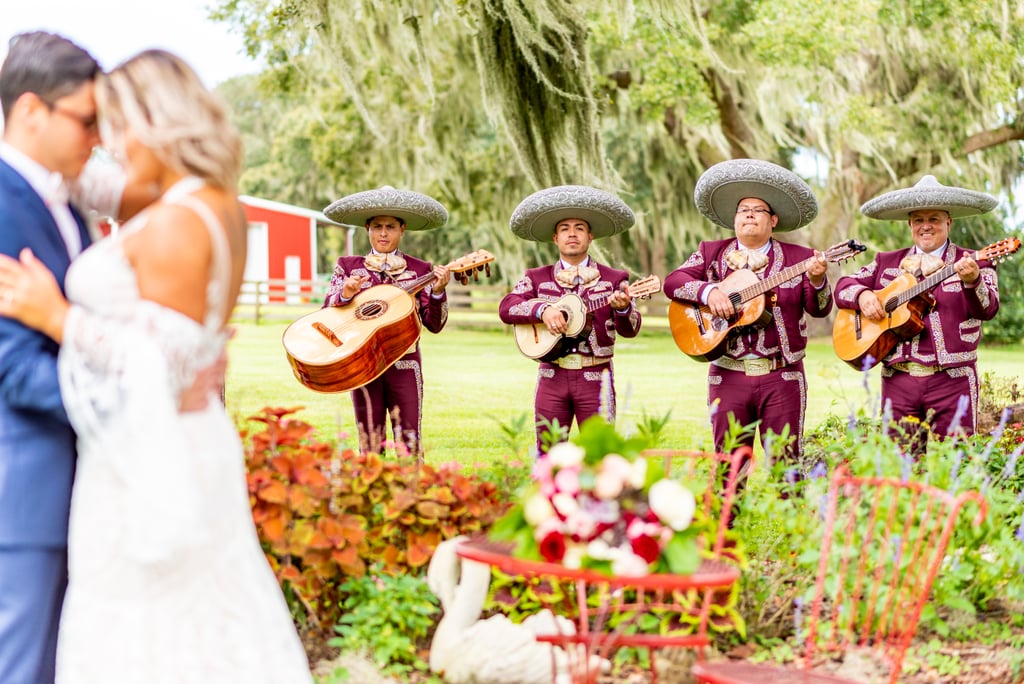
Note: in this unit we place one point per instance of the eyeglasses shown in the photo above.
(89, 122)
(753, 210)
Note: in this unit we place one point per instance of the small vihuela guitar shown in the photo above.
(700, 334)
(906, 302)
(342, 348)
(535, 340)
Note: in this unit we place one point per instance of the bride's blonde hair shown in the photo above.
(165, 104)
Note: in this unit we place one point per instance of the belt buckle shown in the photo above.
(571, 361)
(916, 370)
(757, 367)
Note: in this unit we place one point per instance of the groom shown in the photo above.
(46, 93)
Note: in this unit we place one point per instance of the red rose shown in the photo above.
(552, 547)
(646, 547)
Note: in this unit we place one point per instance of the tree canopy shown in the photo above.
(480, 102)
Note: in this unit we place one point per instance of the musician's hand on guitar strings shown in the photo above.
(720, 304)
(554, 318)
(967, 269)
(870, 306)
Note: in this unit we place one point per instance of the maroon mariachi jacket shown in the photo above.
(433, 311)
(952, 330)
(786, 335)
(540, 284)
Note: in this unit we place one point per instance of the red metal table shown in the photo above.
(592, 636)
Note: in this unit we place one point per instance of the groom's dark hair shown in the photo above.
(46, 64)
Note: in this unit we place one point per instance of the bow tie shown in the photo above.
(392, 264)
(577, 275)
(744, 258)
(56, 190)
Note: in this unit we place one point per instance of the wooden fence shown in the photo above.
(471, 306)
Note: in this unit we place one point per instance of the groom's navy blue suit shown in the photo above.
(37, 455)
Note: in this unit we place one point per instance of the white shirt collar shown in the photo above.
(42, 180)
(565, 265)
(935, 252)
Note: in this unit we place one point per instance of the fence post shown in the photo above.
(259, 298)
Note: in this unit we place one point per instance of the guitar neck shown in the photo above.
(414, 286)
(762, 286)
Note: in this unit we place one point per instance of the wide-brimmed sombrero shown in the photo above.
(417, 210)
(720, 189)
(536, 216)
(928, 193)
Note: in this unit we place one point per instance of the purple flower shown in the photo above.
(790, 476)
(1020, 532)
(819, 471)
(961, 410)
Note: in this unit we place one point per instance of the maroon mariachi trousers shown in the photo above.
(564, 394)
(940, 393)
(777, 399)
(397, 394)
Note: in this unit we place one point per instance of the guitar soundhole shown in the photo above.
(372, 309)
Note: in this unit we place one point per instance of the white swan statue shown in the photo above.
(468, 650)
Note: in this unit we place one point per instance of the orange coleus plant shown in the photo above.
(325, 514)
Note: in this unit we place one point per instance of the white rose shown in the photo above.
(628, 564)
(537, 509)
(566, 455)
(673, 503)
(638, 473)
(565, 504)
(598, 549)
(573, 557)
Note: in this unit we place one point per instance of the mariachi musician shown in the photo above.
(386, 214)
(934, 371)
(758, 374)
(570, 378)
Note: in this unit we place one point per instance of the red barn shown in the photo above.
(283, 246)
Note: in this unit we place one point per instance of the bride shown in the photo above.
(167, 581)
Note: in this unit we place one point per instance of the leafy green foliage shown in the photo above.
(389, 616)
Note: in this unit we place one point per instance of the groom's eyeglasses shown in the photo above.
(89, 122)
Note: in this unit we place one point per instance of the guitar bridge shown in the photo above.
(700, 319)
(327, 332)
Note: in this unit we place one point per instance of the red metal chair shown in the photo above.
(884, 541)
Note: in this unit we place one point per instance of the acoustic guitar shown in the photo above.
(906, 302)
(700, 334)
(535, 340)
(342, 348)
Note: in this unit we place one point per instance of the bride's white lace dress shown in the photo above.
(167, 580)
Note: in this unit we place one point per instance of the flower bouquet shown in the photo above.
(595, 503)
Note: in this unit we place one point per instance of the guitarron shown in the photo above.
(536, 341)
(342, 348)
(701, 335)
(862, 342)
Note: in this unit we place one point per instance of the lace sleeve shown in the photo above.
(120, 381)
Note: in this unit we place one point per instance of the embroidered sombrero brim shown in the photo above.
(720, 189)
(536, 216)
(928, 193)
(417, 210)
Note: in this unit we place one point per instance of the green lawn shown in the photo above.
(477, 380)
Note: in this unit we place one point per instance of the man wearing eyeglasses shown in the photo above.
(756, 376)
(46, 93)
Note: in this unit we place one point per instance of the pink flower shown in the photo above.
(581, 525)
(567, 480)
(612, 477)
